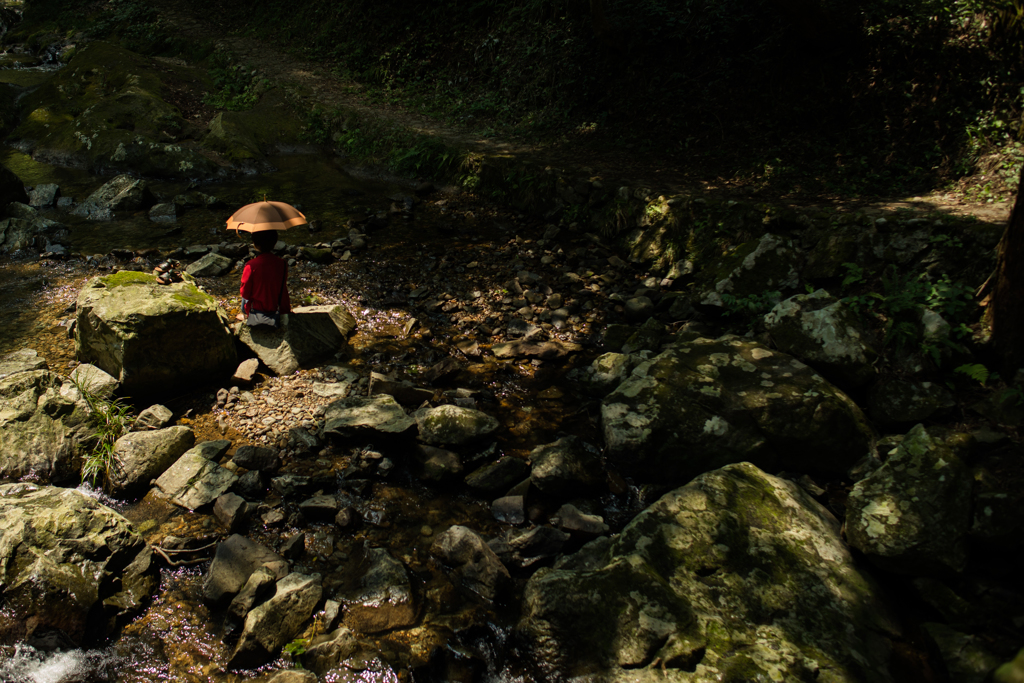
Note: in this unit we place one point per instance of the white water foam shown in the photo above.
(28, 665)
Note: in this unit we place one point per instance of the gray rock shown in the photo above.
(194, 481)
(94, 380)
(69, 563)
(146, 334)
(231, 511)
(771, 263)
(384, 599)
(912, 515)
(476, 567)
(257, 588)
(34, 233)
(499, 476)
(154, 417)
(276, 621)
(509, 510)
(210, 265)
(639, 308)
(404, 392)
(569, 518)
(966, 657)
(313, 334)
(211, 450)
(235, 560)
(824, 333)
(122, 193)
(21, 361)
(164, 213)
(438, 465)
(327, 652)
(45, 426)
(449, 425)
(320, 507)
(246, 371)
(144, 456)
(301, 440)
(736, 576)
(44, 194)
(565, 466)
(259, 458)
(373, 414)
(536, 544)
(701, 404)
(550, 350)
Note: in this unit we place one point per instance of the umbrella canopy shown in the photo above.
(266, 216)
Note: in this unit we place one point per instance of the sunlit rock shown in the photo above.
(824, 333)
(360, 413)
(735, 576)
(312, 334)
(194, 481)
(272, 624)
(566, 466)
(68, 562)
(153, 338)
(449, 425)
(46, 428)
(210, 265)
(144, 456)
(21, 361)
(234, 562)
(912, 515)
(703, 404)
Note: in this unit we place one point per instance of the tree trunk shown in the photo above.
(1007, 308)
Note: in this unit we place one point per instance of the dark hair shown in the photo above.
(265, 240)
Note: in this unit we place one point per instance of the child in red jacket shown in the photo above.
(265, 284)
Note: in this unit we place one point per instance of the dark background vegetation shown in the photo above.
(881, 97)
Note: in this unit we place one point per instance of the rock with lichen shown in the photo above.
(912, 515)
(736, 576)
(768, 264)
(449, 425)
(703, 404)
(824, 333)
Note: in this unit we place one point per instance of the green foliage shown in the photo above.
(976, 371)
(296, 649)
(753, 305)
(111, 420)
(238, 86)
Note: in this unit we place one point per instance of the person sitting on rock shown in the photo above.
(265, 284)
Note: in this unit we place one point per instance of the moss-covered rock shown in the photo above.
(246, 137)
(152, 337)
(105, 111)
(737, 576)
(703, 404)
(912, 515)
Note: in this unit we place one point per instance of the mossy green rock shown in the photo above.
(703, 404)
(68, 562)
(105, 111)
(152, 337)
(913, 513)
(45, 428)
(737, 576)
(248, 136)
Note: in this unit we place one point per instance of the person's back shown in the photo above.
(265, 283)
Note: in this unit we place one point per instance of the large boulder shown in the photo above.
(703, 404)
(737, 576)
(824, 333)
(34, 232)
(68, 562)
(144, 456)
(912, 515)
(45, 426)
(313, 334)
(146, 334)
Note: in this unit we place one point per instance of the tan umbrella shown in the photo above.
(266, 216)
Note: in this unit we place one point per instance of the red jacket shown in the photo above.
(265, 285)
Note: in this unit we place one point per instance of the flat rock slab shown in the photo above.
(550, 350)
(313, 334)
(194, 481)
(375, 413)
(21, 361)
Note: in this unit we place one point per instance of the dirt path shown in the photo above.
(315, 86)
